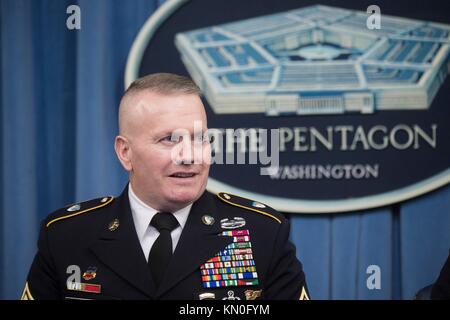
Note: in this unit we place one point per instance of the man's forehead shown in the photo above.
(170, 125)
(164, 112)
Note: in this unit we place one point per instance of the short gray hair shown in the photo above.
(164, 83)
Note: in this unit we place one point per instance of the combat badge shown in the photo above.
(236, 222)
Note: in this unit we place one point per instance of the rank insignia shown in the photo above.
(236, 222)
(26, 294)
(90, 273)
(84, 287)
(232, 266)
(303, 294)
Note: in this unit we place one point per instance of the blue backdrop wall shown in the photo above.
(59, 93)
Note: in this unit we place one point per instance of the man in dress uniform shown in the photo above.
(165, 237)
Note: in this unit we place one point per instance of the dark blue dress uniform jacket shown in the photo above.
(99, 238)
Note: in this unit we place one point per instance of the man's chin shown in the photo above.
(184, 198)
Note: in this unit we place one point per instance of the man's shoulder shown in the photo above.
(77, 212)
(257, 210)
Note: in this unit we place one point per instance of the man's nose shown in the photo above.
(186, 152)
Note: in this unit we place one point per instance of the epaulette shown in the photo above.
(80, 208)
(248, 204)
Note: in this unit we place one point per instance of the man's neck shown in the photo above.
(158, 207)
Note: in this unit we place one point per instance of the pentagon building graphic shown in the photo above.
(317, 60)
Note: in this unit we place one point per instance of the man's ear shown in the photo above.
(123, 151)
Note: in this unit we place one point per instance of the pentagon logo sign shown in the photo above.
(346, 117)
(314, 61)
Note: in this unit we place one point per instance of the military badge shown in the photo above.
(90, 273)
(236, 222)
(208, 220)
(207, 296)
(252, 294)
(230, 296)
(113, 225)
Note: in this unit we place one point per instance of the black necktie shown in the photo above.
(161, 251)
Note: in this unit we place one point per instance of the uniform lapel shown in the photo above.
(198, 243)
(121, 251)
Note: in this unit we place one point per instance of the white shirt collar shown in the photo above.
(143, 214)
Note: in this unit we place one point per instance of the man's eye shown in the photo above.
(171, 139)
(167, 139)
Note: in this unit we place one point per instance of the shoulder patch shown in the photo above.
(248, 204)
(81, 208)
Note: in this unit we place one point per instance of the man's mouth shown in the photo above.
(182, 175)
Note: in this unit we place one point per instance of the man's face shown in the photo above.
(155, 177)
